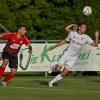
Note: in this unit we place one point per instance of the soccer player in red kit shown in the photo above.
(10, 51)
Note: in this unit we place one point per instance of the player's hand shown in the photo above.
(97, 34)
(30, 51)
(51, 48)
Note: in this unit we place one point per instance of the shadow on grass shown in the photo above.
(40, 82)
(95, 81)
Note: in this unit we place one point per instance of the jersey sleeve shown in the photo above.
(26, 41)
(7, 36)
(89, 40)
(68, 37)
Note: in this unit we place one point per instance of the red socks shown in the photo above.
(9, 77)
(2, 69)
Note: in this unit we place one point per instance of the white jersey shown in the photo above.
(76, 43)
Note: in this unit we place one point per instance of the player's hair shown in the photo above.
(20, 26)
(80, 24)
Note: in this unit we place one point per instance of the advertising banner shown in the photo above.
(41, 59)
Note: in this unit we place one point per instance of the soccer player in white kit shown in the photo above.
(76, 41)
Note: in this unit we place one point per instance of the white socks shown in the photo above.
(56, 79)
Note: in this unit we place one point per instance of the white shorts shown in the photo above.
(67, 61)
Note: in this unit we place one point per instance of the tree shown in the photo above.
(46, 19)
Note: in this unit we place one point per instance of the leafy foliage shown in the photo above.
(46, 19)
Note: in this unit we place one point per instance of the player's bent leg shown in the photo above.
(55, 68)
(9, 76)
(13, 65)
(2, 69)
(3, 66)
(59, 66)
(59, 77)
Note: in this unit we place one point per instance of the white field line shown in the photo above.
(52, 89)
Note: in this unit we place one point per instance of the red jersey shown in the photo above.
(14, 44)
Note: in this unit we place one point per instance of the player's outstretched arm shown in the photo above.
(68, 28)
(95, 43)
(62, 42)
(6, 36)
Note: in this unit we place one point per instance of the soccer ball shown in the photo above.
(87, 10)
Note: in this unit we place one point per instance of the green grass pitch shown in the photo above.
(36, 88)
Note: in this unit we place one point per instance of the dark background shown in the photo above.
(46, 19)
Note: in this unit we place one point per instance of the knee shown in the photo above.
(13, 71)
(58, 68)
(64, 72)
(4, 64)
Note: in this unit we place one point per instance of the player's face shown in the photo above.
(22, 30)
(82, 28)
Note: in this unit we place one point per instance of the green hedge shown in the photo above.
(46, 19)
